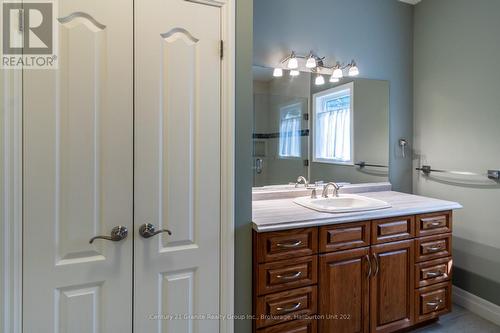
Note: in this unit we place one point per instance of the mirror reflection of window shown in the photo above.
(333, 125)
(289, 139)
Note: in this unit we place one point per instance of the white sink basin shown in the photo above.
(344, 203)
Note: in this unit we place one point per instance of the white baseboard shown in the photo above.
(477, 305)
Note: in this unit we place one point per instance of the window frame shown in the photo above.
(320, 95)
(283, 109)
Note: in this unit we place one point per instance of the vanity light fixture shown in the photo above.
(278, 72)
(316, 64)
(293, 62)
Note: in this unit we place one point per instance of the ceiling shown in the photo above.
(411, 2)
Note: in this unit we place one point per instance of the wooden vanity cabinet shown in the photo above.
(377, 276)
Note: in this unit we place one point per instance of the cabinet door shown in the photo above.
(391, 288)
(344, 291)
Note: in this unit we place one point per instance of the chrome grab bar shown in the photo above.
(363, 164)
(491, 174)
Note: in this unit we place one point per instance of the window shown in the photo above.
(333, 125)
(289, 139)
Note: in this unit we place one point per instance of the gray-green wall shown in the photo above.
(243, 164)
(378, 34)
(457, 126)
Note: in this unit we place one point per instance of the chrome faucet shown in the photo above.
(301, 180)
(336, 189)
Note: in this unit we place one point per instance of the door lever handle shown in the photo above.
(118, 233)
(147, 230)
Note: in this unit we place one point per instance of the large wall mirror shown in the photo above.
(321, 130)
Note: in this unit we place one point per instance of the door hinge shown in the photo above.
(21, 20)
(221, 49)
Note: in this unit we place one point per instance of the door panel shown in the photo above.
(392, 286)
(344, 276)
(78, 175)
(177, 165)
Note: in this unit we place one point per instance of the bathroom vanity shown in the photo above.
(382, 270)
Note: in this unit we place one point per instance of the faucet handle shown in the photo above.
(314, 194)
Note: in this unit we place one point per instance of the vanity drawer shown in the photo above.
(434, 223)
(296, 326)
(431, 272)
(433, 247)
(432, 301)
(344, 236)
(287, 274)
(278, 245)
(285, 306)
(393, 229)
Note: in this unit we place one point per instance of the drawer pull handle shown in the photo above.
(434, 248)
(290, 245)
(436, 223)
(290, 276)
(434, 274)
(294, 307)
(435, 304)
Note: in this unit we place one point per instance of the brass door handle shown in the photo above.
(118, 233)
(148, 230)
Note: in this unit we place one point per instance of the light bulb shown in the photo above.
(293, 63)
(334, 79)
(320, 80)
(353, 70)
(278, 72)
(294, 72)
(311, 62)
(337, 72)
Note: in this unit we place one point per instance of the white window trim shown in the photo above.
(320, 94)
(282, 108)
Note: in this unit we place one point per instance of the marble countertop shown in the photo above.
(283, 213)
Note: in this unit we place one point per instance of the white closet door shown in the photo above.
(177, 165)
(78, 175)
